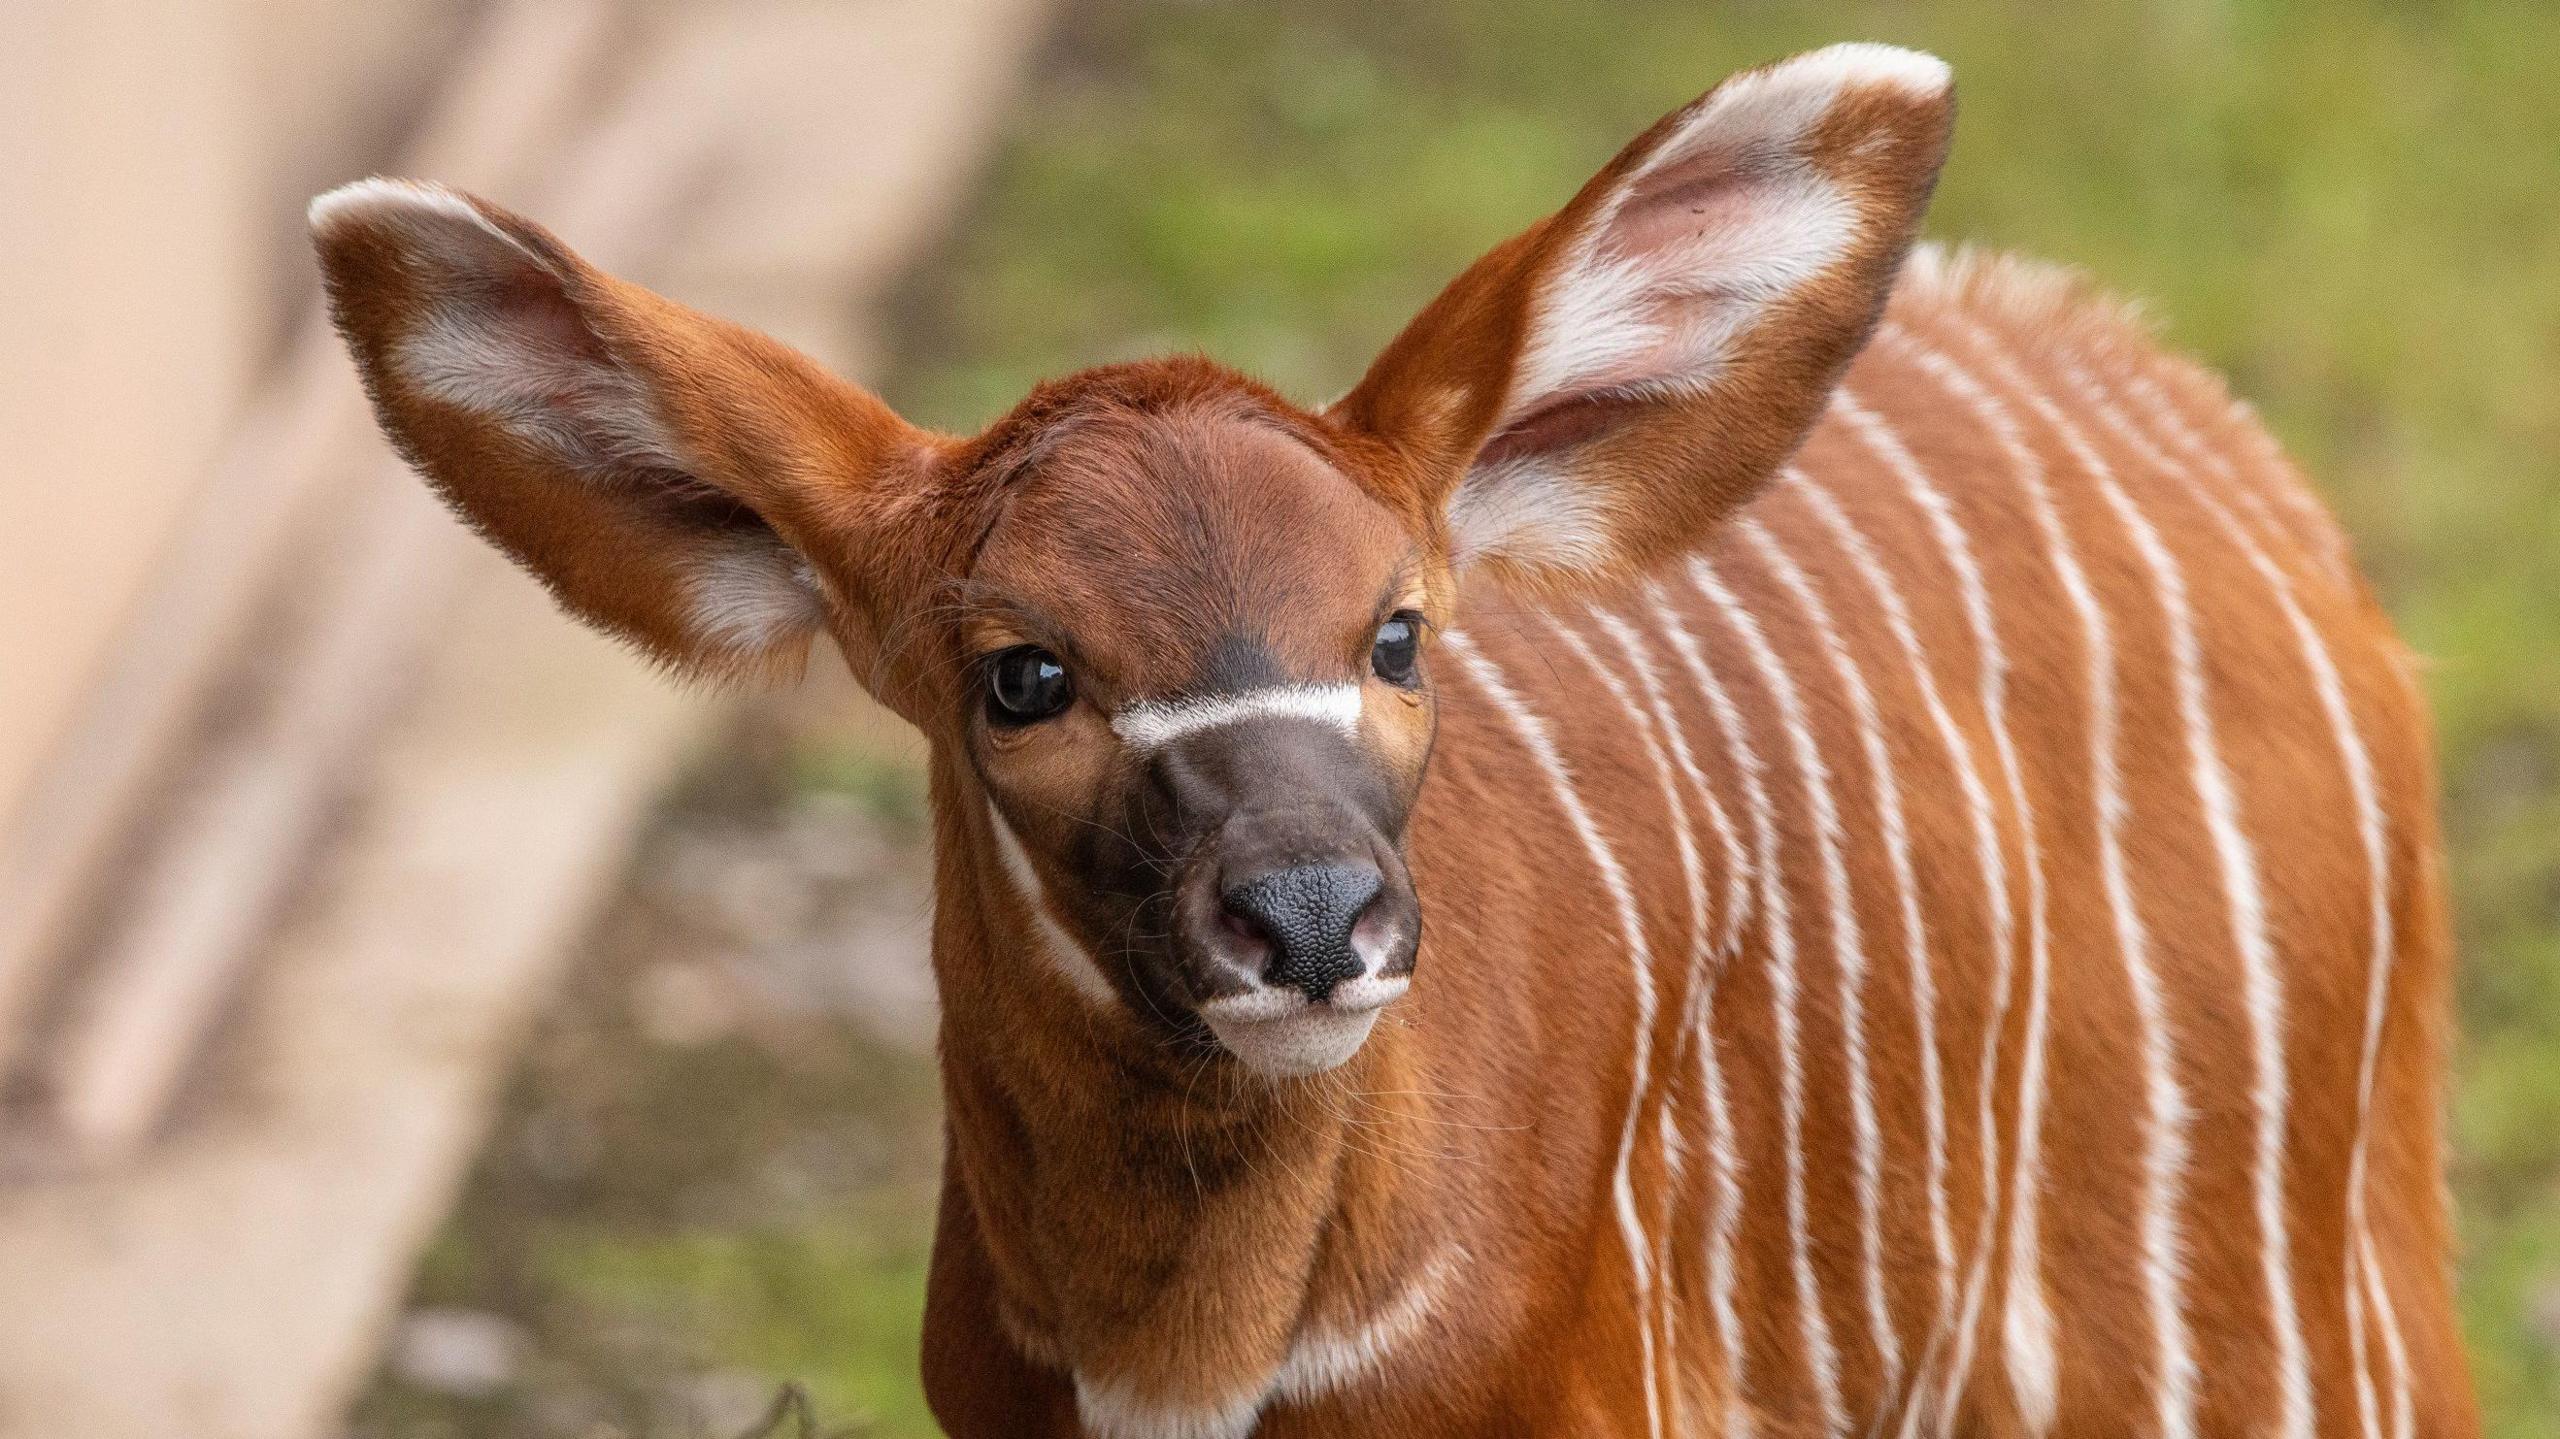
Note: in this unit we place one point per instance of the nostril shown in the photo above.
(1306, 914)
(1373, 932)
(1242, 928)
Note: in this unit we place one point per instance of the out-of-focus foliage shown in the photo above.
(2351, 207)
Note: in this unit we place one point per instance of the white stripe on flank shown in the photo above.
(1696, 1025)
(1153, 724)
(2261, 978)
(1987, 855)
(1737, 892)
(2325, 536)
(2261, 515)
(1725, 1221)
(1065, 955)
(1822, 1360)
(1666, 1296)
(1897, 836)
(1975, 594)
(1542, 747)
(2365, 795)
(2395, 1353)
(1651, 726)
(2243, 902)
(1693, 874)
(2026, 1322)
(1848, 943)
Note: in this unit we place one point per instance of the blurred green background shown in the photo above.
(2351, 207)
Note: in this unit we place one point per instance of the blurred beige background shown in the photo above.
(158, 151)
(303, 795)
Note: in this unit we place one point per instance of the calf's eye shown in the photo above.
(1027, 684)
(1398, 645)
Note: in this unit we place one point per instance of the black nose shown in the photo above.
(1306, 913)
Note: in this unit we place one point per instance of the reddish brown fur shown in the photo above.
(1141, 1213)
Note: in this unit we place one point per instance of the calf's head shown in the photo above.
(1177, 628)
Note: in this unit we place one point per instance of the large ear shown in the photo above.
(673, 479)
(1592, 395)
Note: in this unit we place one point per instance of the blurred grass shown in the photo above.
(2352, 208)
(2349, 207)
(674, 1219)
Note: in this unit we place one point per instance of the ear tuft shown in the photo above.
(436, 228)
(1779, 105)
(412, 205)
(1862, 62)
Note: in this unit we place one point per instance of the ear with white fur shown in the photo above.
(666, 474)
(1595, 393)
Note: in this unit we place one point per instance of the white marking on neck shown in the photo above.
(1322, 1361)
(1152, 724)
(1113, 1411)
(1785, 991)
(1328, 1360)
(1060, 948)
(1534, 737)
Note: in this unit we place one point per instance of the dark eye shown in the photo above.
(1398, 644)
(1026, 684)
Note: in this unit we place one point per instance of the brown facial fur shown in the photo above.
(1173, 513)
(1170, 531)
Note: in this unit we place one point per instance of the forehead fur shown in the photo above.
(1033, 430)
(1165, 515)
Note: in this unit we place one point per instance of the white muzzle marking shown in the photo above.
(1281, 1034)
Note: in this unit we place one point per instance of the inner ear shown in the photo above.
(531, 389)
(1558, 424)
(1629, 371)
(1727, 216)
(504, 339)
(501, 336)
